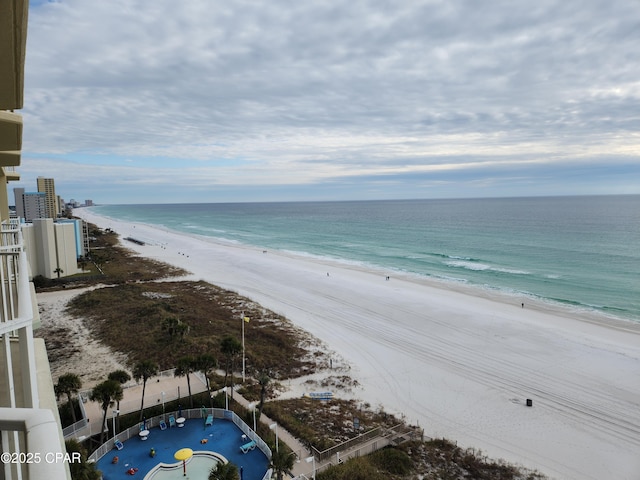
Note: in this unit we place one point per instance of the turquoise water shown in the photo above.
(579, 251)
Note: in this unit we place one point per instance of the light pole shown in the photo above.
(252, 406)
(271, 427)
(244, 320)
(162, 393)
(113, 421)
(312, 459)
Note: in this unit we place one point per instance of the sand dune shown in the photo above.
(459, 362)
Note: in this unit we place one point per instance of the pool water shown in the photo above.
(197, 467)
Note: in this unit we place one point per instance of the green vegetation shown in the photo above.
(68, 384)
(82, 470)
(106, 394)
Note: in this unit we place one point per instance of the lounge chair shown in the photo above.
(162, 425)
(172, 421)
(248, 446)
(208, 421)
(118, 444)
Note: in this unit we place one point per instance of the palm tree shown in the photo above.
(230, 348)
(106, 394)
(185, 367)
(263, 381)
(175, 327)
(224, 471)
(68, 384)
(144, 370)
(58, 271)
(282, 461)
(122, 377)
(205, 363)
(82, 470)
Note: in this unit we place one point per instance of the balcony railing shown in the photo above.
(29, 435)
(15, 293)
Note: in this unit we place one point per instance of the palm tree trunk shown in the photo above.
(73, 408)
(144, 386)
(104, 421)
(189, 387)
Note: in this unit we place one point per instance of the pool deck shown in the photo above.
(222, 437)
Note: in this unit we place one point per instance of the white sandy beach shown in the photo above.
(459, 365)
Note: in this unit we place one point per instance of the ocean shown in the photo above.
(582, 252)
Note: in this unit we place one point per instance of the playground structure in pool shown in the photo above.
(148, 450)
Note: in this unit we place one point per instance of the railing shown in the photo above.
(330, 452)
(29, 435)
(42, 456)
(364, 444)
(13, 280)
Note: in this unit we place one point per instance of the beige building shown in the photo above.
(29, 422)
(51, 248)
(48, 187)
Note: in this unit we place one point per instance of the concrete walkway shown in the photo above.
(173, 388)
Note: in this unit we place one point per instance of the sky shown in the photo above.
(137, 101)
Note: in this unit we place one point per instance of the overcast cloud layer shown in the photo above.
(132, 101)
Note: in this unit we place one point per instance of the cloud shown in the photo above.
(238, 93)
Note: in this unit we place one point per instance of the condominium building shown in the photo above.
(30, 205)
(48, 187)
(30, 434)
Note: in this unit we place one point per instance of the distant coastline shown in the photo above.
(541, 248)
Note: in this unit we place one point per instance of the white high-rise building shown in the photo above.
(30, 205)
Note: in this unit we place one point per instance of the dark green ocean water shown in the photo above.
(578, 251)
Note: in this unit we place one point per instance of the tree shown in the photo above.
(58, 271)
(68, 384)
(205, 363)
(122, 377)
(82, 261)
(230, 348)
(224, 471)
(185, 367)
(82, 470)
(106, 394)
(175, 327)
(282, 461)
(263, 381)
(144, 370)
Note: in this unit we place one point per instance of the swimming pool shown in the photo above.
(223, 437)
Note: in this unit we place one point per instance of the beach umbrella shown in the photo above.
(241, 473)
(183, 454)
(179, 410)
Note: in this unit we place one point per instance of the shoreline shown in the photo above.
(497, 294)
(459, 365)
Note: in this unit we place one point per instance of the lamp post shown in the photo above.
(162, 393)
(113, 421)
(252, 406)
(275, 426)
(312, 459)
(243, 321)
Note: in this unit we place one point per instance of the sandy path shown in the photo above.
(70, 346)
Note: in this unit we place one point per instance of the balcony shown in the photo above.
(30, 429)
